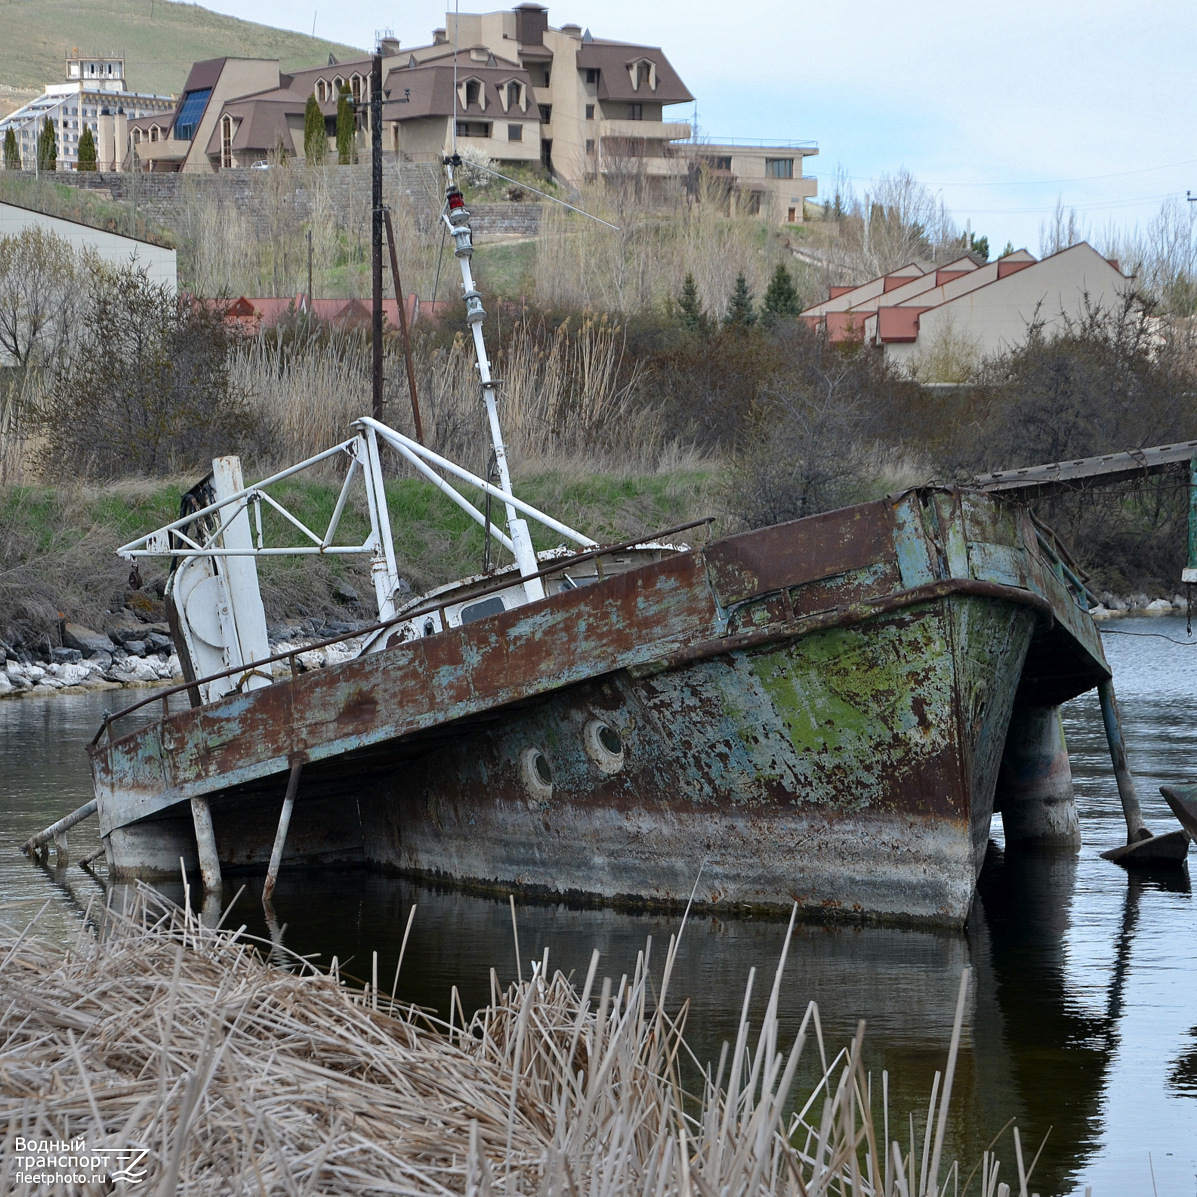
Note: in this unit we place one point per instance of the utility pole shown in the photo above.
(376, 222)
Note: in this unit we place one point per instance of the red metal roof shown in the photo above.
(898, 324)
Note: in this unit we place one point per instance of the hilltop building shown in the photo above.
(985, 307)
(94, 94)
(515, 88)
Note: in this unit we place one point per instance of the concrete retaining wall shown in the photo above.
(414, 185)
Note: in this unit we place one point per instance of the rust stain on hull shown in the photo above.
(815, 711)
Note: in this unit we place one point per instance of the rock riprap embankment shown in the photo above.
(135, 653)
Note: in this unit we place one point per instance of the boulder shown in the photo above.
(72, 674)
(6, 687)
(135, 648)
(145, 606)
(65, 656)
(122, 633)
(345, 592)
(133, 671)
(75, 635)
(155, 642)
(1159, 607)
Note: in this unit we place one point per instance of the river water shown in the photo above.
(1081, 1022)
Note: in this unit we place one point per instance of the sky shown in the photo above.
(1000, 108)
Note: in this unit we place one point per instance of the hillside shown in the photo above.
(36, 36)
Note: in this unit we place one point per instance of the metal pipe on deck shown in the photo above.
(205, 844)
(280, 836)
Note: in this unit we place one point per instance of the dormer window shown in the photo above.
(643, 70)
(471, 91)
(512, 95)
(355, 86)
(338, 86)
(321, 90)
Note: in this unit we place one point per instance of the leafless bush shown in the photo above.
(146, 390)
(898, 221)
(661, 237)
(39, 301)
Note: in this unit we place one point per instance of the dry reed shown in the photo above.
(236, 1075)
(567, 394)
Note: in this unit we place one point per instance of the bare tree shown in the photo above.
(1061, 231)
(38, 275)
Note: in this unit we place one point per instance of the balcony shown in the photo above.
(648, 130)
(168, 150)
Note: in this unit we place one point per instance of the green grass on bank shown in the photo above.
(85, 207)
(159, 40)
(57, 545)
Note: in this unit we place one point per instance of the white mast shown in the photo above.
(457, 219)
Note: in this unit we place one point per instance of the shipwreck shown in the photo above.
(825, 712)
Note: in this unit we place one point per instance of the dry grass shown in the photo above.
(642, 265)
(239, 1076)
(567, 394)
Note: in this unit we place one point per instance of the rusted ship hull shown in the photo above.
(813, 712)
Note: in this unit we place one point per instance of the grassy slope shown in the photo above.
(36, 35)
(56, 545)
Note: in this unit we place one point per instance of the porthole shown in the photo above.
(604, 745)
(537, 774)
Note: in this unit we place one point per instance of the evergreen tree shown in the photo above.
(781, 297)
(315, 138)
(12, 155)
(87, 150)
(345, 127)
(689, 309)
(47, 147)
(740, 312)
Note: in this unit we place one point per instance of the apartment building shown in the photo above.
(506, 84)
(987, 307)
(94, 89)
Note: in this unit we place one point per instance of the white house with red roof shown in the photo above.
(988, 307)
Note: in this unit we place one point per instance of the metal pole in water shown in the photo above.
(35, 842)
(205, 844)
(1135, 827)
(280, 836)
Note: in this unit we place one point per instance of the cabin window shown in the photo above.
(483, 608)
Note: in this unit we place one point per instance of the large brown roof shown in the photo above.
(612, 59)
(431, 87)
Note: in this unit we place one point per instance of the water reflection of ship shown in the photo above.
(1037, 1048)
(1050, 1047)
